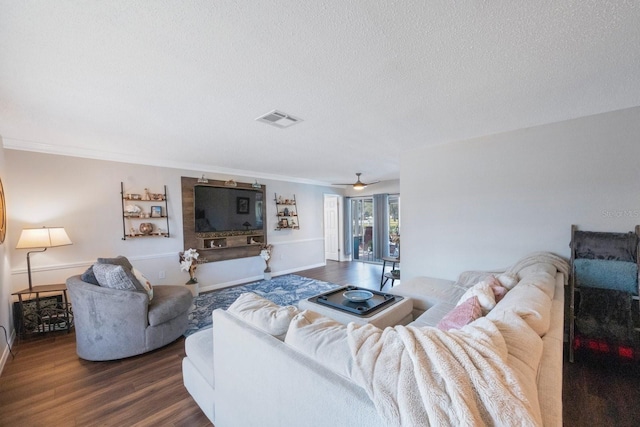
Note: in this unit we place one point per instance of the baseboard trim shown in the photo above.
(5, 353)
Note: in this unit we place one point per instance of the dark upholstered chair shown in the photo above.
(113, 324)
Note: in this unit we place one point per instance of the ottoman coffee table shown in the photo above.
(381, 309)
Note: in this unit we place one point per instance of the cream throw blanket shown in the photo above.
(425, 376)
(542, 257)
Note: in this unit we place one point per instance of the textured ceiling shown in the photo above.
(179, 83)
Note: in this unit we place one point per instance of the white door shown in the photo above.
(331, 227)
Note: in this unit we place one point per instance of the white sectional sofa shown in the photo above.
(255, 368)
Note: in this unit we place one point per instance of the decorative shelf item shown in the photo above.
(144, 215)
(287, 212)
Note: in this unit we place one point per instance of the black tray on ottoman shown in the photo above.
(336, 300)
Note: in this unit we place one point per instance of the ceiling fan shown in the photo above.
(359, 185)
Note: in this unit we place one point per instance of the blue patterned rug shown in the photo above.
(283, 290)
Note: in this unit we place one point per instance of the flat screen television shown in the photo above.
(227, 209)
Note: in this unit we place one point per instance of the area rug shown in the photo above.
(282, 290)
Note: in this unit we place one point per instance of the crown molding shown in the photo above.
(86, 153)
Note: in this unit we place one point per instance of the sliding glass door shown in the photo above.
(362, 228)
(374, 227)
(394, 226)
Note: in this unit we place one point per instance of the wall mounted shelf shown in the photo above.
(139, 210)
(287, 212)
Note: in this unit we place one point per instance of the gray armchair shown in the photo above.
(114, 324)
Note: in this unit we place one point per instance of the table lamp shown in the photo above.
(45, 237)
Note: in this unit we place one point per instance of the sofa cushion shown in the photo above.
(321, 339)
(433, 315)
(508, 280)
(427, 291)
(199, 349)
(119, 260)
(263, 314)
(146, 284)
(499, 292)
(541, 280)
(539, 267)
(461, 315)
(524, 348)
(485, 294)
(530, 303)
(116, 277)
(469, 278)
(90, 277)
(522, 341)
(168, 303)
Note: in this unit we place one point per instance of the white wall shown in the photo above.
(6, 318)
(83, 196)
(486, 202)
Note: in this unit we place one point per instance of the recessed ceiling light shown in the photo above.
(279, 119)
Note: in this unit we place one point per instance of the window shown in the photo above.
(394, 226)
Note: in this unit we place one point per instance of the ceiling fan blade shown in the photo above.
(359, 184)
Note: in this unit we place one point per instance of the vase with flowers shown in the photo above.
(189, 263)
(265, 254)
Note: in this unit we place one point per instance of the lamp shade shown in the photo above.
(45, 237)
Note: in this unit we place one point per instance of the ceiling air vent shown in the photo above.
(278, 119)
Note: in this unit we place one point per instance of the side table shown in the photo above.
(48, 318)
(393, 274)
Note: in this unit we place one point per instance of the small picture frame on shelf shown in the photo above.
(284, 223)
(242, 205)
(156, 211)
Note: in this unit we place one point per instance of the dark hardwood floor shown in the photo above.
(48, 385)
